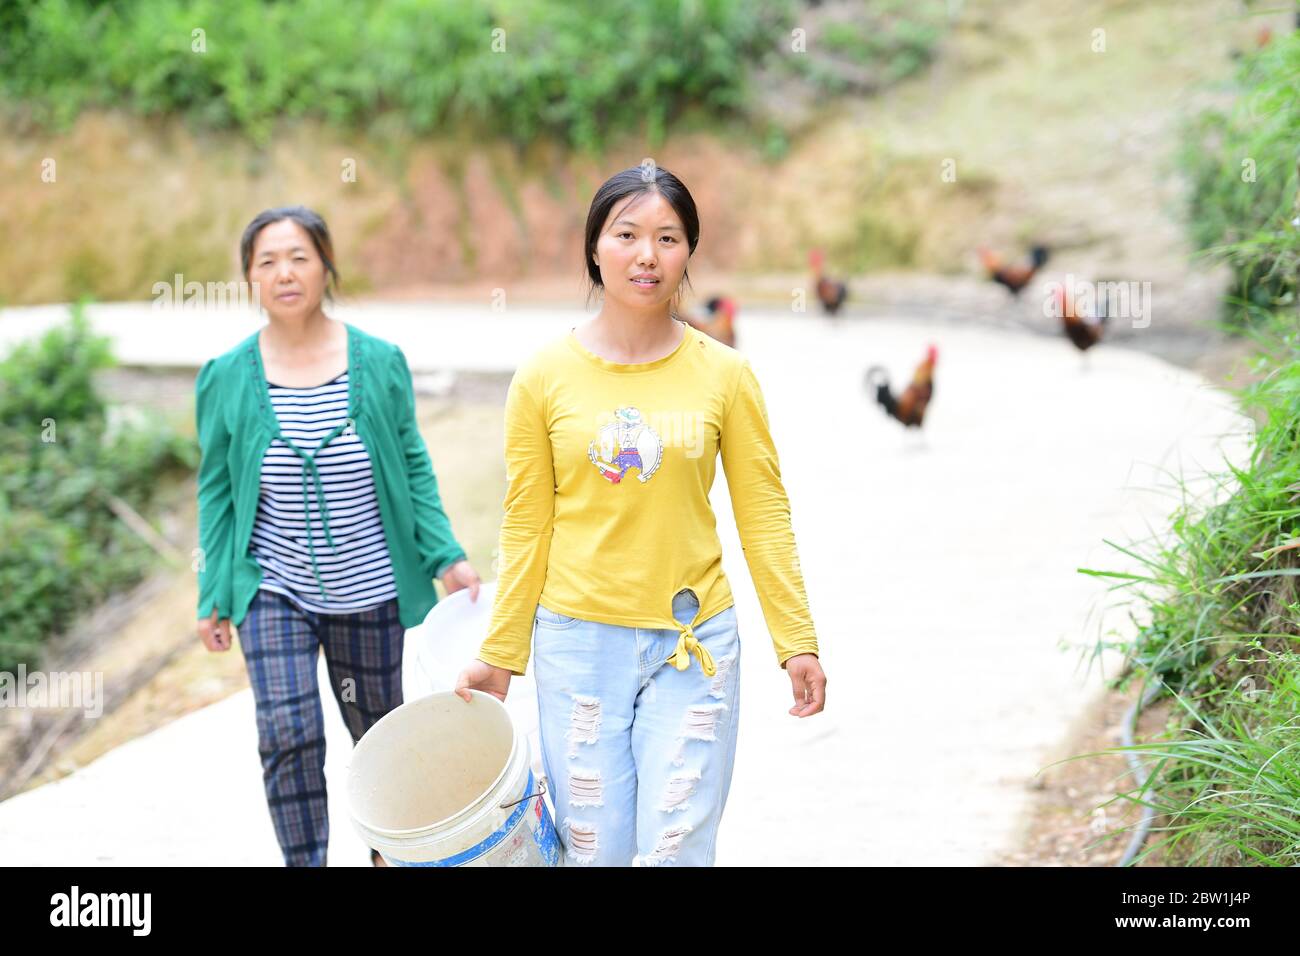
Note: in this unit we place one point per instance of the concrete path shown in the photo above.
(941, 571)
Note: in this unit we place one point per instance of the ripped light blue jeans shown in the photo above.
(638, 754)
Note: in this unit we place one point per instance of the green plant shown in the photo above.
(1242, 165)
(890, 40)
(62, 460)
(517, 70)
(1221, 602)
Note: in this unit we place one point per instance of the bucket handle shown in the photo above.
(540, 783)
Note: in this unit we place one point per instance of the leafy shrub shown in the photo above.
(61, 458)
(1242, 165)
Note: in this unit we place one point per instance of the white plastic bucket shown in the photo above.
(437, 650)
(440, 781)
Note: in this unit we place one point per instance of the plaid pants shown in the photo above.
(281, 643)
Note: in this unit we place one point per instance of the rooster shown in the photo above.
(722, 325)
(830, 292)
(1016, 276)
(1082, 329)
(908, 407)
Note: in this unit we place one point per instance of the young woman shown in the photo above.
(610, 562)
(320, 523)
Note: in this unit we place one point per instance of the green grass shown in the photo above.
(1217, 604)
(1220, 603)
(1244, 175)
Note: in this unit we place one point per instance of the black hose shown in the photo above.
(1139, 770)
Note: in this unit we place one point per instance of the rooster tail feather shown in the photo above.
(887, 400)
(877, 379)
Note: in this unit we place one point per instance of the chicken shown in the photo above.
(830, 292)
(908, 407)
(1016, 276)
(722, 325)
(1082, 329)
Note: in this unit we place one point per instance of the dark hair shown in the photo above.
(311, 223)
(631, 183)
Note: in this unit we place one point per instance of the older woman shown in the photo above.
(320, 522)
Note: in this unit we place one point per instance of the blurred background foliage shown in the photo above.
(573, 71)
(64, 454)
(1218, 605)
(1242, 162)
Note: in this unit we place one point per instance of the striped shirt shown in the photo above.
(358, 573)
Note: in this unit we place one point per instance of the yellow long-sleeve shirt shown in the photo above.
(607, 512)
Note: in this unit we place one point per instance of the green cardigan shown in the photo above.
(236, 423)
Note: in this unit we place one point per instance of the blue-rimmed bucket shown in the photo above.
(444, 782)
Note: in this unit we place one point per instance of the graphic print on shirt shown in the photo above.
(626, 443)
